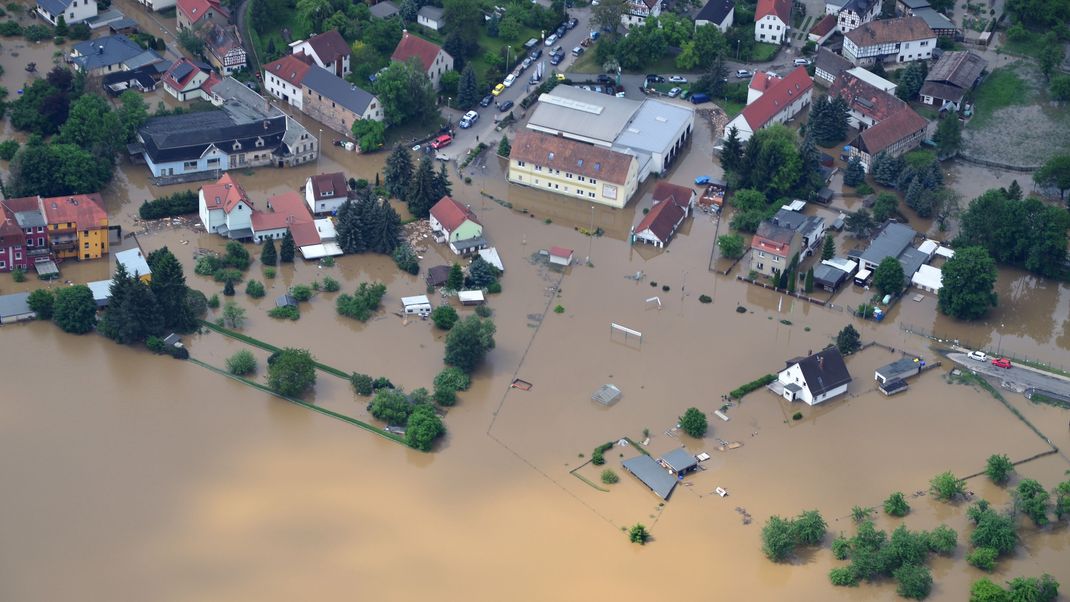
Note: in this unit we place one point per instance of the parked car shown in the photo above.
(700, 98)
(534, 79)
(505, 106)
(578, 50)
(702, 180)
(509, 79)
(744, 74)
(527, 62)
(550, 40)
(977, 355)
(674, 92)
(558, 50)
(559, 77)
(655, 79)
(555, 59)
(441, 141)
(489, 98)
(1001, 362)
(801, 62)
(604, 79)
(468, 119)
(595, 34)
(498, 89)
(678, 79)
(571, 24)
(535, 54)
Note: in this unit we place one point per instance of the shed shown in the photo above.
(901, 368)
(491, 256)
(928, 278)
(47, 269)
(172, 340)
(438, 275)
(606, 394)
(679, 461)
(416, 305)
(945, 252)
(470, 297)
(15, 308)
(286, 300)
(929, 247)
(824, 196)
(828, 277)
(135, 264)
(561, 256)
(652, 475)
(893, 386)
(101, 290)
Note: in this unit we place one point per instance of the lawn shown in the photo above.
(286, 19)
(1002, 88)
(763, 52)
(730, 108)
(1030, 46)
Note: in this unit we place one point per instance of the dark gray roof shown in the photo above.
(912, 260)
(124, 23)
(824, 371)
(54, 7)
(680, 460)
(826, 275)
(30, 219)
(942, 91)
(337, 89)
(933, 19)
(652, 475)
(770, 231)
(112, 50)
(285, 301)
(384, 10)
(830, 62)
(171, 339)
(16, 305)
(186, 137)
(859, 6)
(890, 242)
(715, 11)
(437, 275)
(961, 69)
(915, 4)
(431, 12)
(899, 367)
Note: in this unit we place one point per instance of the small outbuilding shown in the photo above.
(135, 264)
(647, 470)
(490, 255)
(101, 290)
(15, 308)
(679, 461)
(286, 300)
(561, 256)
(438, 275)
(928, 278)
(470, 297)
(893, 386)
(173, 340)
(418, 305)
(899, 369)
(828, 277)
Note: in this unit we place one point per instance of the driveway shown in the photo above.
(1017, 378)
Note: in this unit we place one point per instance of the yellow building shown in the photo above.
(77, 226)
(574, 169)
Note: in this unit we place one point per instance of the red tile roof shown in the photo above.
(334, 184)
(179, 84)
(667, 191)
(901, 124)
(561, 252)
(777, 97)
(452, 214)
(225, 194)
(287, 209)
(414, 46)
(762, 81)
(865, 98)
(290, 68)
(329, 46)
(825, 25)
(210, 83)
(780, 8)
(305, 234)
(196, 9)
(9, 228)
(85, 210)
(661, 220)
(572, 156)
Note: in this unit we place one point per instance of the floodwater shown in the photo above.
(133, 475)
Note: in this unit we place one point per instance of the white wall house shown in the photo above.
(73, 11)
(282, 79)
(328, 49)
(899, 40)
(326, 193)
(771, 20)
(816, 378)
(224, 208)
(157, 5)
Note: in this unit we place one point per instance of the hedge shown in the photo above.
(753, 385)
(178, 203)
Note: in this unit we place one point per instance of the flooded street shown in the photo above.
(132, 474)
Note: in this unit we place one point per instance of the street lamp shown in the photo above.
(999, 346)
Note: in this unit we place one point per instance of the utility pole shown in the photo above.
(590, 234)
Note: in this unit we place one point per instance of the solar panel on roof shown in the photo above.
(182, 71)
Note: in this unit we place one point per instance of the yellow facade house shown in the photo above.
(77, 226)
(573, 169)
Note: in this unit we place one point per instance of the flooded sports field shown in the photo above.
(133, 476)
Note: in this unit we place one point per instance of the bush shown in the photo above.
(155, 344)
(896, 505)
(406, 259)
(391, 406)
(444, 317)
(797, 416)
(999, 469)
(609, 477)
(41, 301)
(841, 548)
(18, 275)
(705, 299)
(241, 363)
(286, 312)
(269, 272)
(293, 372)
(230, 275)
(254, 289)
(8, 148)
(382, 383)
(331, 285)
(301, 292)
(228, 289)
(754, 385)
(213, 302)
(945, 486)
(452, 378)
(237, 256)
(483, 311)
(179, 203)
(943, 540)
(638, 533)
(693, 422)
(423, 428)
(494, 288)
(36, 33)
(914, 581)
(598, 458)
(362, 384)
(983, 558)
(843, 576)
(207, 265)
(444, 396)
(560, 309)
(363, 303)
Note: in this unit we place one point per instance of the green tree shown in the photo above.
(292, 372)
(983, 590)
(808, 287)
(1051, 55)
(703, 48)
(370, 134)
(732, 153)
(607, 14)
(1062, 500)
(406, 259)
(828, 120)
(888, 277)
(452, 378)
(464, 21)
(51, 170)
(731, 245)
(423, 427)
(999, 468)
(268, 255)
(362, 303)
(1060, 88)
(848, 340)
(855, 174)
(885, 207)
(442, 185)
(61, 27)
(983, 558)
(896, 505)
(808, 529)
(468, 88)
(228, 288)
(1039, 589)
(693, 422)
(8, 148)
(286, 251)
(913, 581)
(1028, 233)
(504, 148)
(1031, 499)
(41, 301)
(455, 280)
(947, 487)
(405, 93)
(1055, 173)
(255, 289)
(910, 81)
(391, 406)
(828, 249)
(420, 196)
(133, 311)
(132, 113)
(943, 540)
(168, 284)
(778, 538)
(233, 315)
(241, 363)
(444, 317)
(314, 12)
(468, 342)
(509, 28)
(771, 162)
(948, 137)
(191, 42)
(969, 282)
(638, 533)
(74, 309)
(993, 530)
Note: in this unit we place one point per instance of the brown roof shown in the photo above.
(776, 97)
(571, 156)
(287, 209)
(661, 220)
(196, 9)
(901, 124)
(85, 210)
(780, 8)
(452, 214)
(221, 40)
(865, 98)
(772, 238)
(889, 31)
(225, 194)
(959, 68)
(305, 234)
(825, 25)
(9, 228)
(290, 68)
(329, 46)
(415, 46)
(667, 191)
(762, 81)
(334, 184)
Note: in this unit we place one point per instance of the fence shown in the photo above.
(1000, 351)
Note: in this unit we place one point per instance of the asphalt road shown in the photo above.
(1017, 378)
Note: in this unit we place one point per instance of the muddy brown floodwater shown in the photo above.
(132, 476)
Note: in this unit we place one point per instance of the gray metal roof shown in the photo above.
(680, 460)
(890, 242)
(934, 19)
(112, 50)
(285, 301)
(899, 367)
(912, 259)
(101, 290)
(384, 10)
(652, 475)
(30, 219)
(655, 126)
(715, 11)
(133, 261)
(54, 7)
(915, 4)
(431, 12)
(828, 275)
(582, 113)
(15, 305)
(337, 89)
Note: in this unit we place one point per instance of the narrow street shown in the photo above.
(1017, 378)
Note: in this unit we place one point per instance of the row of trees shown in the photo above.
(413, 411)
(919, 177)
(902, 556)
(420, 187)
(368, 225)
(1025, 233)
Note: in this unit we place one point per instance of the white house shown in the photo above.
(134, 263)
(816, 378)
(185, 80)
(72, 11)
(636, 11)
(456, 224)
(781, 100)
(719, 13)
(671, 206)
(771, 20)
(283, 78)
(928, 278)
(855, 13)
(284, 211)
(157, 5)
(901, 40)
(225, 209)
(431, 18)
(329, 50)
(432, 58)
(326, 193)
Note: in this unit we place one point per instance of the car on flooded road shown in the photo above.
(1001, 362)
(977, 355)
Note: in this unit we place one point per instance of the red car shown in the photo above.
(443, 140)
(1001, 362)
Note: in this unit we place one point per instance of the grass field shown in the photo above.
(763, 52)
(1029, 46)
(1002, 88)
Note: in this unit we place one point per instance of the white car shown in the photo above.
(744, 74)
(678, 79)
(468, 119)
(674, 92)
(801, 62)
(977, 355)
(550, 40)
(509, 79)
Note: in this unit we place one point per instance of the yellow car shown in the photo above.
(560, 77)
(498, 89)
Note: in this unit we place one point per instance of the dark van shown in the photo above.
(699, 98)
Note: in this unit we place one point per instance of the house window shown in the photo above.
(590, 194)
(594, 181)
(568, 175)
(18, 255)
(761, 266)
(3, 264)
(520, 164)
(189, 165)
(85, 246)
(581, 178)
(538, 168)
(29, 242)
